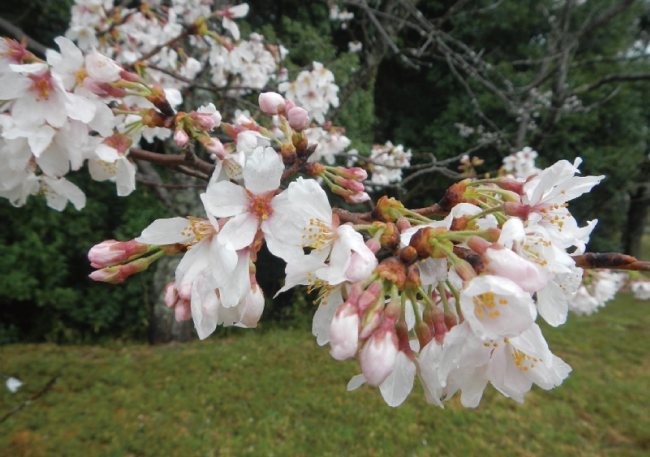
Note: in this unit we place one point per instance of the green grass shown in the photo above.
(277, 393)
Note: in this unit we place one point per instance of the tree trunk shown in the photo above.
(637, 213)
(181, 202)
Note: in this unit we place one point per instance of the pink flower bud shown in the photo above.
(254, 307)
(352, 173)
(290, 105)
(369, 296)
(103, 89)
(374, 245)
(465, 270)
(185, 291)
(357, 198)
(213, 146)
(344, 332)
(119, 273)
(171, 295)
(180, 137)
(403, 224)
(183, 311)
(272, 103)
(378, 356)
(110, 252)
(298, 118)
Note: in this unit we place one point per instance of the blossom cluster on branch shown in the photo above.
(449, 293)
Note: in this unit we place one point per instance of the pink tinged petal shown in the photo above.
(263, 171)
(239, 232)
(205, 307)
(512, 233)
(107, 153)
(356, 382)
(301, 270)
(399, 383)
(553, 304)
(104, 120)
(60, 191)
(504, 262)
(223, 261)
(232, 27)
(472, 382)
(254, 307)
(280, 248)
(101, 68)
(308, 193)
(54, 161)
(80, 108)
(125, 177)
(70, 53)
(496, 307)
(167, 231)
(40, 139)
(238, 285)
(226, 199)
(194, 262)
(13, 85)
(320, 326)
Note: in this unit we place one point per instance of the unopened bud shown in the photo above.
(344, 332)
(298, 118)
(110, 252)
(403, 224)
(378, 356)
(464, 270)
(254, 307)
(181, 138)
(118, 274)
(171, 295)
(183, 311)
(272, 103)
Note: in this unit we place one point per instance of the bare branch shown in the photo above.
(7, 28)
(31, 399)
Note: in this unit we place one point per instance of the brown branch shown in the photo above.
(187, 163)
(613, 260)
(38, 394)
(614, 78)
(144, 182)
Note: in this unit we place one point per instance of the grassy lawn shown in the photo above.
(277, 393)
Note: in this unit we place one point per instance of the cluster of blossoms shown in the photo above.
(79, 106)
(598, 287)
(313, 90)
(449, 293)
(387, 162)
(147, 34)
(521, 164)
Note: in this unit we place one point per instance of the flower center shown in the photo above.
(260, 206)
(42, 85)
(486, 304)
(199, 228)
(316, 234)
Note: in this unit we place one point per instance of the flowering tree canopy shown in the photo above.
(449, 293)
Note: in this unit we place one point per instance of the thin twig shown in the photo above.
(38, 394)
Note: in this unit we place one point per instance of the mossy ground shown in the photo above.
(277, 393)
